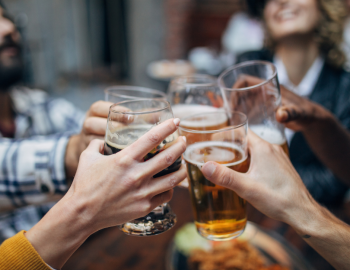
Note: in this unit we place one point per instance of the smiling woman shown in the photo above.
(303, 39)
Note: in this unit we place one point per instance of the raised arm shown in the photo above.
(274, 187)
(107, 191)
(325, 134)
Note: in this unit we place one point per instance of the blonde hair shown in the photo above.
(329, 32)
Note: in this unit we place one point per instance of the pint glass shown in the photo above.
(127, 122)
(194, 94)
(220, 214)
(253, 89)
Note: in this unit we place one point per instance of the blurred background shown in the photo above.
(74, 49)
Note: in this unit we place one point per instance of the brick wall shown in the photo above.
(193, 23)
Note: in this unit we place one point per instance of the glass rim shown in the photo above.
(138, 100)
(244, 122)
(176, 80)
(244, 64)
(133, 88)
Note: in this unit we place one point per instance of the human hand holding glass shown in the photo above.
(127, 122)
(220, 214)
(253, 89)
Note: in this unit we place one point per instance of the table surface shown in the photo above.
(110, 249)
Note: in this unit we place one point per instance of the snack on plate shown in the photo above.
(233, 255)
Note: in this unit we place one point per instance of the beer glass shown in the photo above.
(220, 214)
(121, 93)
(253, 89)
(127, 122)
(193, 94)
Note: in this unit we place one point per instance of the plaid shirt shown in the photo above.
(32, 170)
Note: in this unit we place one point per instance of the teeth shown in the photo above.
(287, 14)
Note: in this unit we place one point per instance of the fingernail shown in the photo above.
(208, 169)
(184, 138)
(177, 121)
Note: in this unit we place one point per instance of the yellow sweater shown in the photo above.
(17, 253)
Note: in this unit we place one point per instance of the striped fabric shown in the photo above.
(32, 168)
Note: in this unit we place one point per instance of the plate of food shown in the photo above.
(165, 70)
(256, 249)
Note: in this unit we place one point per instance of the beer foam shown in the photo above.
(269, 134)
(184, 110)
(217, 155)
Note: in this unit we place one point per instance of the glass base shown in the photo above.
(158, 221)
(222, 237)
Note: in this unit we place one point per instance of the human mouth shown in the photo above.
(286, 14)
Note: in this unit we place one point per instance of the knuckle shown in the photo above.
(87, 126)
(95, 106)
(169, 159)
(173, 181)
(125, 161)
(226, 180)
(146, 207)
(154, 138)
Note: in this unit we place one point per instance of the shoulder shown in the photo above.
(264, 54)
(23, 97)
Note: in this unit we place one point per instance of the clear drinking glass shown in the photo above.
(220, 214)
(253, 89)
(116, 94)
(128, 121)
(193, 94)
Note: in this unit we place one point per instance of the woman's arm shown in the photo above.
(274, 187)
(325, 135)
(108, 191)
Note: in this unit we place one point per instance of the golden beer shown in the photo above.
(272, 136)
(203, 122)
(220, 214)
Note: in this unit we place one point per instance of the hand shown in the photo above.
(298, 113)
(250, 101)
(94, 128)
(121, 187)
(108, 191)
(271, 185)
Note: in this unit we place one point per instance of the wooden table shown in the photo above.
(110, 249)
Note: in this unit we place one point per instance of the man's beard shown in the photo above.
(12, 71)
(9, 76)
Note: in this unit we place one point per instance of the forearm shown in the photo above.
(58, 235)
(329, 236)
(330, 142)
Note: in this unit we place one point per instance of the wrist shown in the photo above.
(71, 160)
(59, 233)
(309, 219)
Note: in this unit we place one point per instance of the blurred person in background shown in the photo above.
(39, 152)
(304, 40)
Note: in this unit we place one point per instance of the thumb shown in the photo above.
(96, 146)
(225, 177)
(286, 114)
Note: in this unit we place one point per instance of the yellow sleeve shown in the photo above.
(17, 253)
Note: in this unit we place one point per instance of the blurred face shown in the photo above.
(286, 18)
(11, 64)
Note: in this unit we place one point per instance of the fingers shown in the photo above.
(246, 81)
(152, 138)
(95, 126)
(166, 182)
(100, 109)
(162, 198)
(288, 113)
(225, 177)
(165, 158)
(96, 146)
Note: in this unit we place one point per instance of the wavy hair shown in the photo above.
(329, 32)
